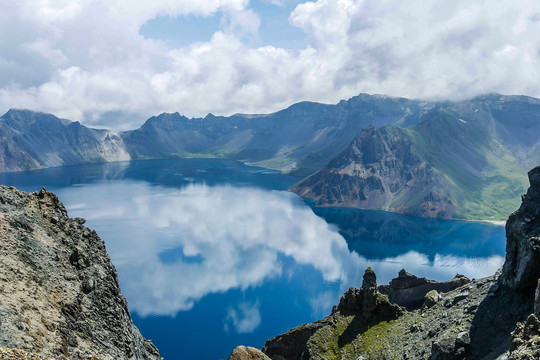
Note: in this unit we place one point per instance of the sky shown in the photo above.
(115, 63)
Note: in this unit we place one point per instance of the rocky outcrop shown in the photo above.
(59, 292)
(367, 302)
(358, 309)
(522, 266)
(525, 343)
(408, 290)
(247, 353)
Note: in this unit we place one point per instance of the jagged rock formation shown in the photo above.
(490, 318)
(525, 343)
(367, 301)
(380, 170)
(358, 309)
(522, 265)
(408, 290)
(59, 291)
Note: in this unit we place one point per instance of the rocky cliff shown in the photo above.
(490, 318)
(443, 167)
(30, 140)
(381, 170)
(59, 292)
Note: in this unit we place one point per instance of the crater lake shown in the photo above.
(212, 253)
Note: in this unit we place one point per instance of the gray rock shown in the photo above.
(65, 290)
(521, 269)
(431, 298)
(247, 353)
(525, 343)
(459, 297)
(443, 348)
(463, 338)
(408, 290)
(537, 300)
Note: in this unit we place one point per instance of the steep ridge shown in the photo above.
(443, 167)
(30, 140)
(304, 136)
(59, 292)
(489, 318)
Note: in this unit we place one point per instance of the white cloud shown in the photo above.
(420, 49)
(245, 318)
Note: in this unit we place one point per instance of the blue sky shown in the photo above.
(274, 28)
(115, 63)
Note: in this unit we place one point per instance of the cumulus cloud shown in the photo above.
(177, 246)
(86, 58)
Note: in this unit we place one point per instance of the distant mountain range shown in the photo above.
(438, 159)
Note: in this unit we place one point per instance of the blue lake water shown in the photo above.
(213, 253)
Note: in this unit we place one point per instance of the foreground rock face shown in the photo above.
(59, 291)
(522, 266)
(409, 290)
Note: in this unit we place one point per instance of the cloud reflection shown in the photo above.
(176, 246)
(245, 318)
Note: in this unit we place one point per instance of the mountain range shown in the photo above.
(463, 159)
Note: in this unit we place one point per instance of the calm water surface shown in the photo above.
(212, 253)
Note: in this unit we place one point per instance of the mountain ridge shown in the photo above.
(482, 146)
(444, 167)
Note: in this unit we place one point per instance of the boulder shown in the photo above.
(431, 298)
(247, 353)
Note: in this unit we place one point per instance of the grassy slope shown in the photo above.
(485, 179)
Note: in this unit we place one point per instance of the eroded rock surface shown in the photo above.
(408, 290)
(247, 353)
(59, 292)
(526, 340)
(522, 266)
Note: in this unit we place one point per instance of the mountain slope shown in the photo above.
(444, 167)
(470, 156)
(303, 137)
(32, 140)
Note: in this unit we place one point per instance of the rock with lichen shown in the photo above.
(59, 292)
